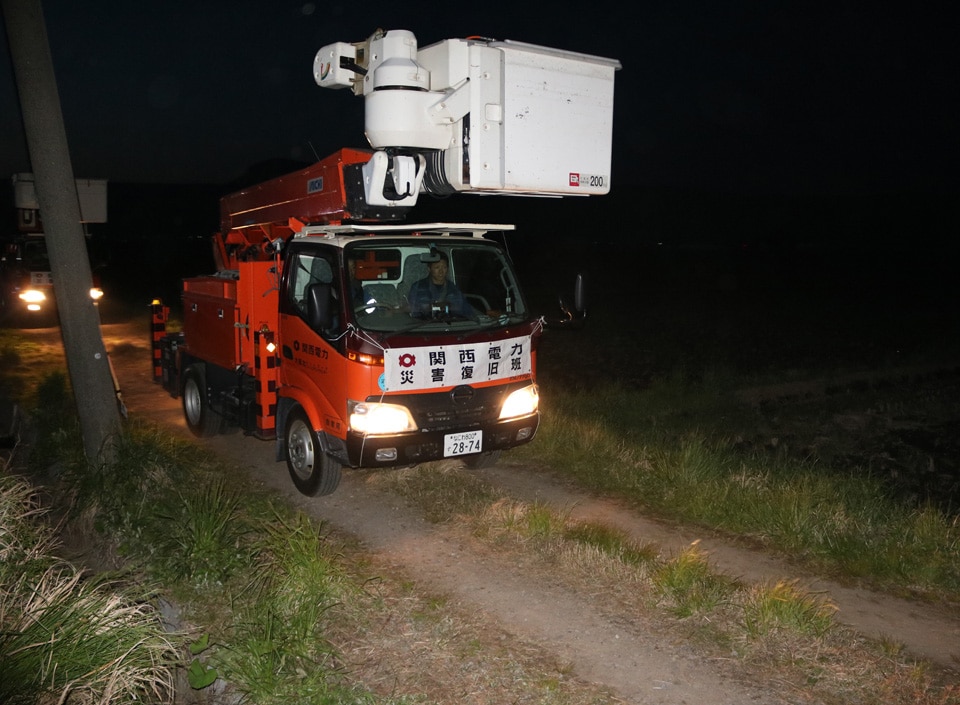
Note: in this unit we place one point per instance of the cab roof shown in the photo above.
(413, 229)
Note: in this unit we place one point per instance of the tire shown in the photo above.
(482, 460)
(202, 421)
(314, 473)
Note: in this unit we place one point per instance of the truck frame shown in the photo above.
(352, 338)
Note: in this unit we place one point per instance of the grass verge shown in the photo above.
(661, 452)
(776, 632)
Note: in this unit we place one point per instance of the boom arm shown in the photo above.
(254, 220)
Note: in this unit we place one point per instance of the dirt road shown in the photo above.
(625, 656)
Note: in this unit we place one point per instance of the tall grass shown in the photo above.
(275, 648)
(260, 578)
(66, 636)
(261, 584)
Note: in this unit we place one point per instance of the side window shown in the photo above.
(485, 280)
(306, 269)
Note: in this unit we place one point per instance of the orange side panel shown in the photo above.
(314, 374)
(257, 303)
(208, 319)
(220, 315)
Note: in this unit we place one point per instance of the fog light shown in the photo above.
(384, 454)
(524, 433)
(33, 307)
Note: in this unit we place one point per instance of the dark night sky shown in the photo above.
(787, 121)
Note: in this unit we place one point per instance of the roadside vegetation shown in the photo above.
(661, 451)
(223, 589)
(776, 420)
(66, 636)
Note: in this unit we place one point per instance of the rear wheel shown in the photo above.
(482, 460)
(313, 472)
(202, 421)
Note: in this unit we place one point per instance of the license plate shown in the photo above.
(462, 443)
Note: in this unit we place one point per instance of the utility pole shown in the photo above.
(87, 363)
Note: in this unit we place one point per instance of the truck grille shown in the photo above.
(461, 407)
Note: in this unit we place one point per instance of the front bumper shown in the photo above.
(424, 446)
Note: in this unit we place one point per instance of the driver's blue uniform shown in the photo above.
(424, 294)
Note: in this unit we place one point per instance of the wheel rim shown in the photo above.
(192, 403)
(300, 449)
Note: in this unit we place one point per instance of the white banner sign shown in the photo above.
(435, 366)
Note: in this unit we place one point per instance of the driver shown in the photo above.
(437, 293)
(356, 286)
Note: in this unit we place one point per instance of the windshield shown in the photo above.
(400, 285)
(35, 255)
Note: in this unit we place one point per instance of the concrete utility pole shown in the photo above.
(87, 362)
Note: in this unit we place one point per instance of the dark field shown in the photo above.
(848, 360)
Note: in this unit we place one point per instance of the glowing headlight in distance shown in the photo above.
(375, 418)
(521, 402)
(33, 296)
(96, 293)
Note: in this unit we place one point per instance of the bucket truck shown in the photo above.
(353, 339)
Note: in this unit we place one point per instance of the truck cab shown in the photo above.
(424, 332)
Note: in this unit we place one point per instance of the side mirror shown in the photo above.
(319, 307)
(576, 316)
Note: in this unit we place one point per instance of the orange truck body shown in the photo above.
(248, 356)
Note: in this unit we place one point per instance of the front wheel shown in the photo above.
(202, 421)
(313, 472)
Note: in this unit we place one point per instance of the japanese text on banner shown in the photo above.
(434, 366)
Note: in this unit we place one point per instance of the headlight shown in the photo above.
(376, 419)
(33, 296)
(522, 402)
(96, 293)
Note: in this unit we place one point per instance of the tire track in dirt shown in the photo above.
(927, 631)
(615, 653)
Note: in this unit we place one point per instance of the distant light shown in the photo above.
(33, 296)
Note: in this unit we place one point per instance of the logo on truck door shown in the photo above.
(435, 366)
